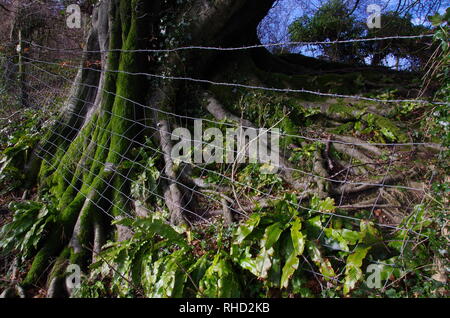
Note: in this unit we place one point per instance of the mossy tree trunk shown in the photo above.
(103, 117)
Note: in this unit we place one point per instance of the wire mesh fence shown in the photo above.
(227, 189)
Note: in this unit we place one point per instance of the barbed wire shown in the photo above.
(237, 85)
(239, 125)
(240, 48)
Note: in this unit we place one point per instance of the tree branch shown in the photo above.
(6, 9)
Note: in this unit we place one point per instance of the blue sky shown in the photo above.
(287, 11)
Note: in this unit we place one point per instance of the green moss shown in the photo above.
(64, 173)
(80, 170)
(85, 233)
(44, 172)
(340, 108)
(344, 128)
(42, 259)
(388, 128)
(60, 265)
(119, 200)
(128, 87)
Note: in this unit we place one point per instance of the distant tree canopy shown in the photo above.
(331, 22)
(335, 20)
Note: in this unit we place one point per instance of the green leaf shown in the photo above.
(259, 265)
(343, 237)
(197, 271)
(298, 239)
(167, 276)
(369, 234)
(353, 272)
(220, 279)
(247, 228)
(272, 234)
(313, 226)
(263, 262)
(389, 267)
(289, 269)
(298, 246)
(161, 228)
(326, 205)
(30, 221)
(387, 133)
(323, 264)
(299, 283)
(436, 19)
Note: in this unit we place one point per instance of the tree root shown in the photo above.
(220, 113)
(13, 292)
(351, 151)
(172, 194)
(320, 170)
(57, 288)
(349, 188)
(363, 145)
(227, 215)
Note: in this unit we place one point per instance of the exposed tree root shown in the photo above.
(352, 152)
(321, 171)
(363, 145)
(220, 113)
(227, 215)
(349, 188)
(13, 292)
(173, 194)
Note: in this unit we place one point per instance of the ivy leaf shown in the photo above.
(272, 234)
(353, 272)
(369, 234)
(220, 279)
(323, 264)
(388, 268)
(247, 228)
(343, 237)
(298, 246)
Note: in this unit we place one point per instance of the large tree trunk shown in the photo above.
(104, 119)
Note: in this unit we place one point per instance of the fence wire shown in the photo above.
(47, 80)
